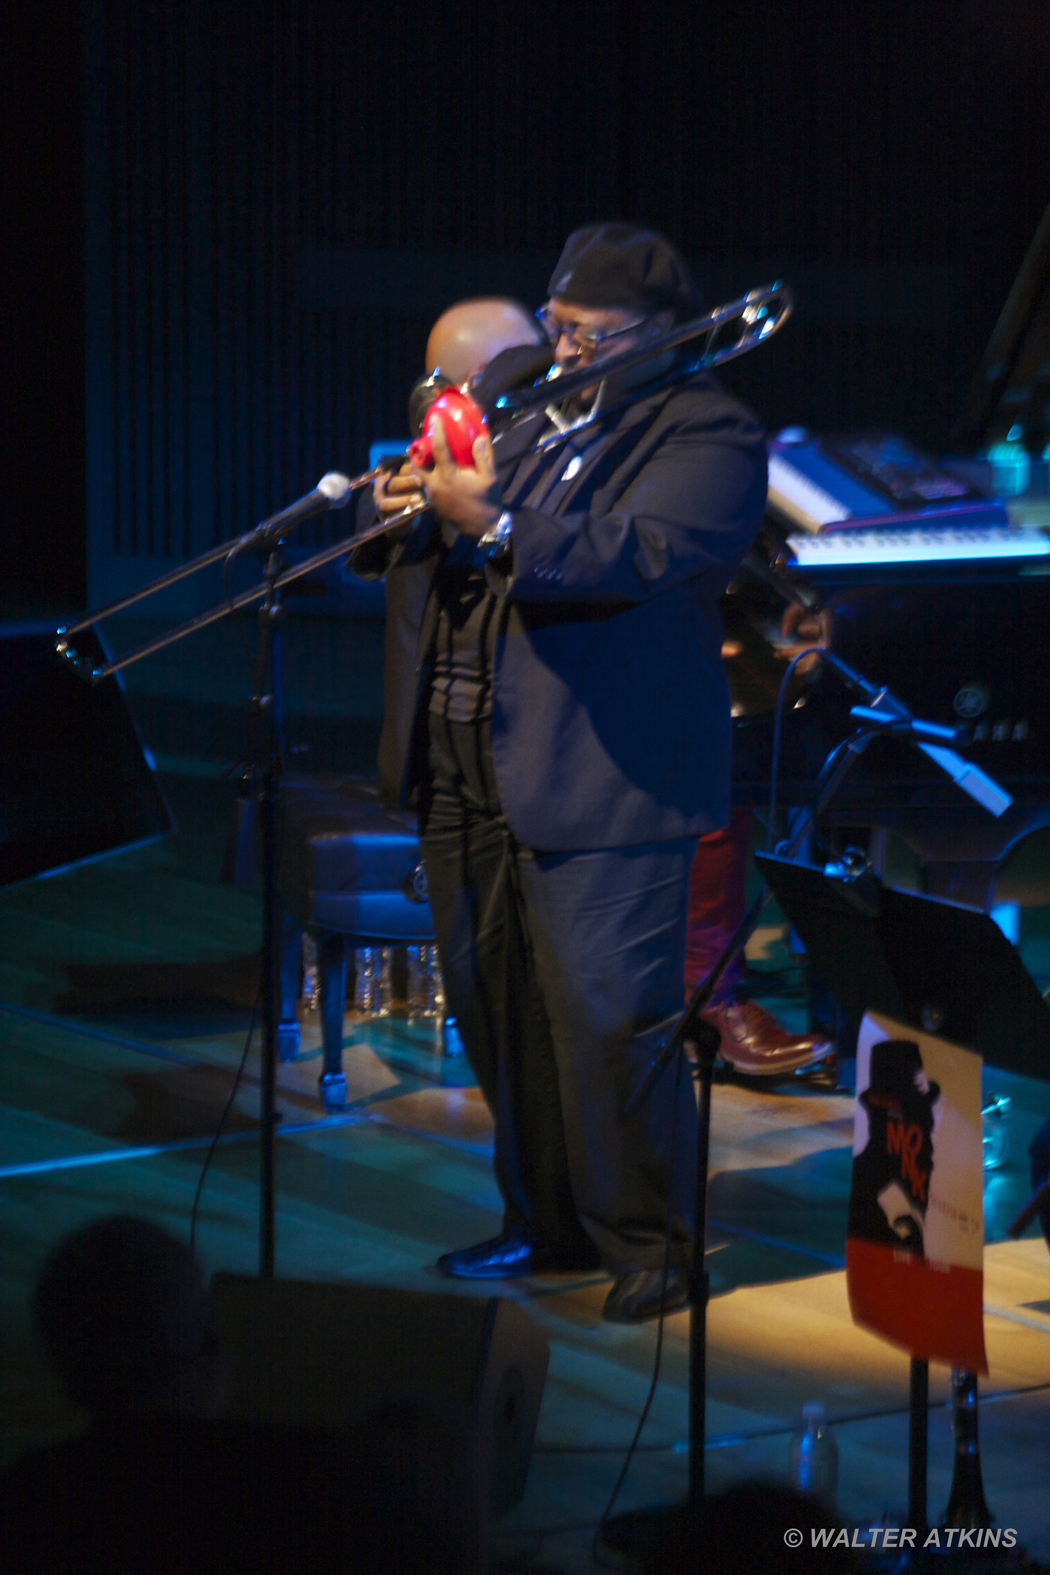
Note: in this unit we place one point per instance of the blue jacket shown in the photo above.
(610, 711)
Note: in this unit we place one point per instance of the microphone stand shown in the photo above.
(265, 777)
(264, 773)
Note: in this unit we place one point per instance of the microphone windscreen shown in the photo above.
(336, 488)
(518, 367)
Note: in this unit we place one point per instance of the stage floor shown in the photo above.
(125, 990)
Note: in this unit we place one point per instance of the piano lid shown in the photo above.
(1012, 386)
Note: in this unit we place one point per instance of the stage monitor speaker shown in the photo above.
(320, 1354)
(75, 781)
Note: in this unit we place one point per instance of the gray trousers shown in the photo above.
(560, 969)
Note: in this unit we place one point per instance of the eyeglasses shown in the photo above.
(580, 338)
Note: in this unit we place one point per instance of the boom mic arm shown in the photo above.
(884, 710)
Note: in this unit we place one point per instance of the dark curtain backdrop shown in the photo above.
(279, 195)
(42, 473)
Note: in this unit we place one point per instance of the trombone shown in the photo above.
(759, 314)
(728, 331)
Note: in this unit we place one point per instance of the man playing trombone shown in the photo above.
(570, 742)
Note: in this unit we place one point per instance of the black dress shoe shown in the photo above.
(512, 1253)
(502, 1258)
(637, 1296)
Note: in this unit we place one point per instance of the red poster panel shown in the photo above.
(915, 1240)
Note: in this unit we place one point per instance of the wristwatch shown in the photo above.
(496, 541)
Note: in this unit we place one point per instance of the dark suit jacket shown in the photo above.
(610, 709)
(407, 589)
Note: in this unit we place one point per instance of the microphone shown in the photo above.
(331, 492)
(982, 788)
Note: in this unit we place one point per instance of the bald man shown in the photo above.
(470, 334)
(462, 342)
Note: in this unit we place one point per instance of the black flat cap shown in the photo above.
(621, 265)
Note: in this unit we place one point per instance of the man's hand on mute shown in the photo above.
(393, 492)
(469, 498)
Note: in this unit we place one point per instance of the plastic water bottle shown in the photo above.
(426, 993)
(385, 982)
(814, 1455)
(435, 985)
(1011, 464)
(416, 996)
(311, 989)
(367, 974)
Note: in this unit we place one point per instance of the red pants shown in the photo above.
(717, 882)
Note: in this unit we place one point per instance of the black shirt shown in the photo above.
(461, 682)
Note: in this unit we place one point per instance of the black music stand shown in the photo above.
(901, 953)
(946, 970)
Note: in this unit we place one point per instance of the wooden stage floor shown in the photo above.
(125, 990)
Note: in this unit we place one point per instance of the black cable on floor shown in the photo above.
(225, 1114)
(614, 1495)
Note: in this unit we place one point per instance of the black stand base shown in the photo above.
(966, 1504)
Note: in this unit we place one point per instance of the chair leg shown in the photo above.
(331, 969)
(288, 1035)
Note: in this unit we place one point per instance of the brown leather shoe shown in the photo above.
(753, 1042)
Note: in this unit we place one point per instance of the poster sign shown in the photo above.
(915, 1239)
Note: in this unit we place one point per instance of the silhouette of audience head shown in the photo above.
(161, 1482)
(122, 1314)
(745, 1530)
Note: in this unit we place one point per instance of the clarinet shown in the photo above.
(966, 1503)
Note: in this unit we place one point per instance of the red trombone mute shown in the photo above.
(463, 422)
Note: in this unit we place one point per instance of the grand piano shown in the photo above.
(929, 584)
